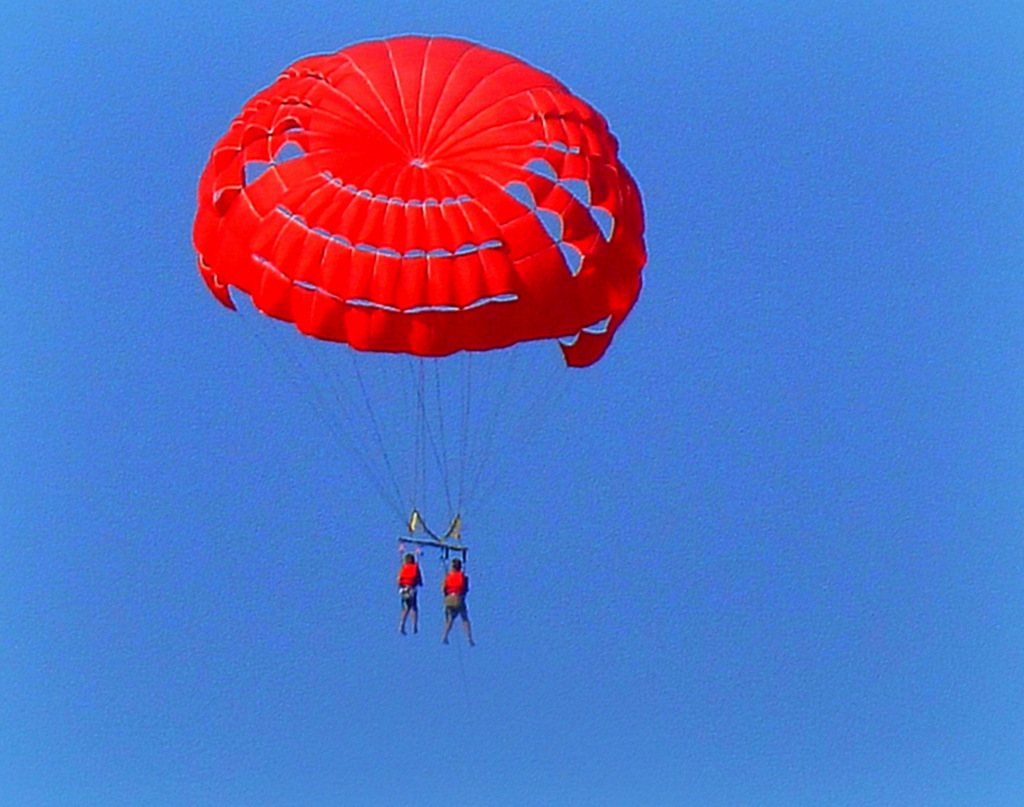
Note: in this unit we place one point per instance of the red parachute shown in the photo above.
(424, 195)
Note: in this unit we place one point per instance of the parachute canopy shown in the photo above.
(424, 195)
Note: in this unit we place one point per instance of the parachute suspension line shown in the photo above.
(425, 435)
(556, 383)
(375, 427)
(340, 420)
(345, 404)
(300, 376)
(466, 410)
(419, 458)
(441, 438)
(491, 427)
(430, 445)
(264, 251)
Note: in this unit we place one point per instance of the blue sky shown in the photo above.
(767, 552)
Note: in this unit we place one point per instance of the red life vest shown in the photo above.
(409, 575)
(456, 583)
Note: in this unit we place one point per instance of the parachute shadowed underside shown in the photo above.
(425, 196)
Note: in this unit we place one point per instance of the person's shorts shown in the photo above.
(408, 595)
(455, 605)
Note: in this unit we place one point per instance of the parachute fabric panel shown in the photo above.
(425, 196)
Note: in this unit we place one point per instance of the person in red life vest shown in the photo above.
(409, 578)
(455, 588)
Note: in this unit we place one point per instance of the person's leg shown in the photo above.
(405, 614)
(469, 630)
(415, 607)
(449, 617)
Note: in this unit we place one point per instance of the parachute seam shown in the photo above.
(582, 129)
(561, 121)
(341, 240)
(401, 95)
(325, 112)
(485, 210)
(529, 212)
(356, 106)
(445, 176)
(588, 207)
(376, 94)
(307, 285)
(439, 149)
(441, 94)
(478, 266)
(377, 276)
(311, 268)
(337, 182)
(418, 145)
(290, 218)
(456, 154)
